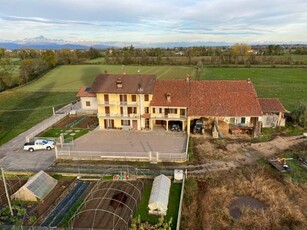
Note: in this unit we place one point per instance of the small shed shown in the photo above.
(178, 175)
(159, 195)
(36, 188)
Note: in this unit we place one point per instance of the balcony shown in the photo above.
(107, 103)
(118, 115)
(128, 103)
(168, 116)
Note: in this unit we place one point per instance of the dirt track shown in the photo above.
(237, 154)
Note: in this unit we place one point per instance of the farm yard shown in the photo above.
(22, 107)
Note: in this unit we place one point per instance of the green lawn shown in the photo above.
(287, 84)
(69, 78)
(173, 205)
(298, 173)
(20, 111)
(68, 132)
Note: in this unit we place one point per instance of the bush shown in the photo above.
(299, 115)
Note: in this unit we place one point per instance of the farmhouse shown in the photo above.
(140, 102)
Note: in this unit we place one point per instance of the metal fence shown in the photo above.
(41, 128)
(66, 153)
(180, 204)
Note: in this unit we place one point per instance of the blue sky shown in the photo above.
(148, 21)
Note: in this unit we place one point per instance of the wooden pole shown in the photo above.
(6, 192)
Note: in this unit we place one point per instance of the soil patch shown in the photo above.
(244, 202)
(51, 200)
(118, 200)
(88, 122)
(13, 186)
(77, 122)
(64, 122)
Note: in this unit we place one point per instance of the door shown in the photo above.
(147, 123)
(123, 99)
(107, 111)
(108, 123)
(182, 112)
(134, 125)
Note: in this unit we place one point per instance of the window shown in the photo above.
(146, 109)
(88, 103)
(125, 122)
(173, 111)
(106, 98)
(131, 110)
(146, 97)
(123, 98)
(133, 97)
(160, 110)
(153, 110)
(243, 120)
(232, 120)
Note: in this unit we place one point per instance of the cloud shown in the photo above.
(165, 20)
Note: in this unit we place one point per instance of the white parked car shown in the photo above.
(39, 145)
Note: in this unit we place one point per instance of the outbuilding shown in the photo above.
(37, 188)
(159, 195)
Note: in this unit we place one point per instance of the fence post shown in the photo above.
(53, 111)
(149, 155)
(56, 152)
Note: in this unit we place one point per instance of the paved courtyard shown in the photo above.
(129, 141)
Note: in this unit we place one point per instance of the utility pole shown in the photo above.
(6, 192)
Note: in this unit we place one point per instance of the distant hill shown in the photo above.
(53, 46)
(42, 42)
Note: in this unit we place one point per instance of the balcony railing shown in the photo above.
(107, 103)
(168, 116)
(117, 115)
(120, 103)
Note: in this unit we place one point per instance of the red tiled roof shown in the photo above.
(85, 92)
(131, 84)
(177, 89)
(270, 105)
(223, 98)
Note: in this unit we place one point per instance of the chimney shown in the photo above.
(140, 89)
(187, 77)
(168, 97)
(119, 83)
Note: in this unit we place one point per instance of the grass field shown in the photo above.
(60, 85)
(70, 78)
(287, 84)
(20, 111)
(173, 205)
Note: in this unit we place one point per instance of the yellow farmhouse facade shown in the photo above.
(139, 102)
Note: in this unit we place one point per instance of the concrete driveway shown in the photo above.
(14, 158)
(129, 141)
